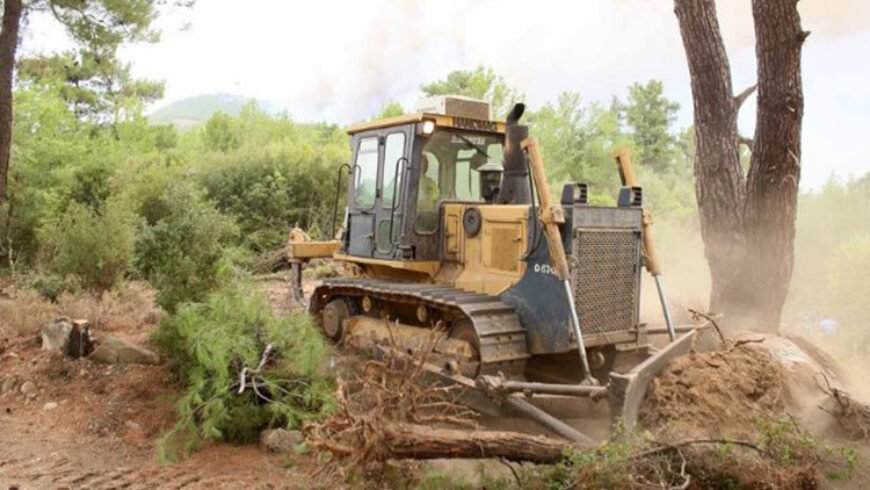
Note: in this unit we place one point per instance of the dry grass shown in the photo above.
(130, 306)
(24, 313)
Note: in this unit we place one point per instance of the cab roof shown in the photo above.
(441, 120)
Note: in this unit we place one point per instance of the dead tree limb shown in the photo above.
(422, 442)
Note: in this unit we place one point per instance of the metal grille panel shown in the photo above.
(606, 279)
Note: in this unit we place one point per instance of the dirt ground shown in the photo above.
(94, 426)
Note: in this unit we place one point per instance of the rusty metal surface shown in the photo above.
(503, 345)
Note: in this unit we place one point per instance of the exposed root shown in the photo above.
(852, 416)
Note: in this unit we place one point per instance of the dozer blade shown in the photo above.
(626, 391)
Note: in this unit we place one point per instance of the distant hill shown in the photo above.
(196, 110)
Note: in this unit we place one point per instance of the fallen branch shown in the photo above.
(697, 315)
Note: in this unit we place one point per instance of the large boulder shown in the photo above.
(113, 350)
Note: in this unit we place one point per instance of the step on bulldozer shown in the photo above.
(450, 224)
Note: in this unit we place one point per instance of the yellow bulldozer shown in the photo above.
(450, 224)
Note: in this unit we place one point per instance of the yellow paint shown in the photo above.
(312, 250)
(440, 121)
(491, 261)
(430, 268)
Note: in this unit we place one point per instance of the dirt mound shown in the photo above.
(716, 394)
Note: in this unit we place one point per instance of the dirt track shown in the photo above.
(33, 460)
(102, 433)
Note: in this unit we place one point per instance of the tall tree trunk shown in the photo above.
(8, 44)
(747, 223)
(719, 181)
(772, 185)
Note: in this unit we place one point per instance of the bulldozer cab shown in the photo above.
(403, 171)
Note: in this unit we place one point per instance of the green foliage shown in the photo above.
(480, 83)
(832, 265)
(577, 144)
(93, 247)
(181, 251)
(209, 344)
(649, 116)
(392, 109)
(282, 175)
(221, 133)
(93, 82)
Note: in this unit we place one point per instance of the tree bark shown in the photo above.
(747, 224)
(12, 10)
(774, 172)
(421, 442)
(719, 181)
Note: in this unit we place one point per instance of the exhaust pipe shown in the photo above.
(515, 188)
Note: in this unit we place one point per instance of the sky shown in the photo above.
(341, 61)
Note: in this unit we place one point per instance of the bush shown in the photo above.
(268, 192)
(182, 253)
(209, 344)
(94, 248)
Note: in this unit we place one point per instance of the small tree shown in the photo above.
(649, 116)
(95, 248)
(181, 252)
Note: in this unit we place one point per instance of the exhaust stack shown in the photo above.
(515, 187)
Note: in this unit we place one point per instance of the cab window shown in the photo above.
(366, 173)
(393, 152)
(448, 165)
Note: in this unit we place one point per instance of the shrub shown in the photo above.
(182, 252)
(210, 344)
(95, 248)
(268, 192)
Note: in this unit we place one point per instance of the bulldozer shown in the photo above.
(450, 225)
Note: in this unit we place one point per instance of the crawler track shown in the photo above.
(502, 338)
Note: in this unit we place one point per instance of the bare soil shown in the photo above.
(103, 431)
(716, 394)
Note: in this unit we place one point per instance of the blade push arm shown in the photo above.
(552, 216)
(653, 265)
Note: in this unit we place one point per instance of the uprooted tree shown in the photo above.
(747, 221)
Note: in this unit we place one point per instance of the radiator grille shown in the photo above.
(606, 279)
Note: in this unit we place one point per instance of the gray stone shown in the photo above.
(281, 440)
(113, 350)
(28, 388)
(49, 406)
(55, 335)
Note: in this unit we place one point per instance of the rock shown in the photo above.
(132, 425)
(8, 385)
(49, 406)
(281, 440)
(118, 351)
(28, 388)
(55, 335)
(477, 473)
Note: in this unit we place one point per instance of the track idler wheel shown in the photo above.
(333, 316)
